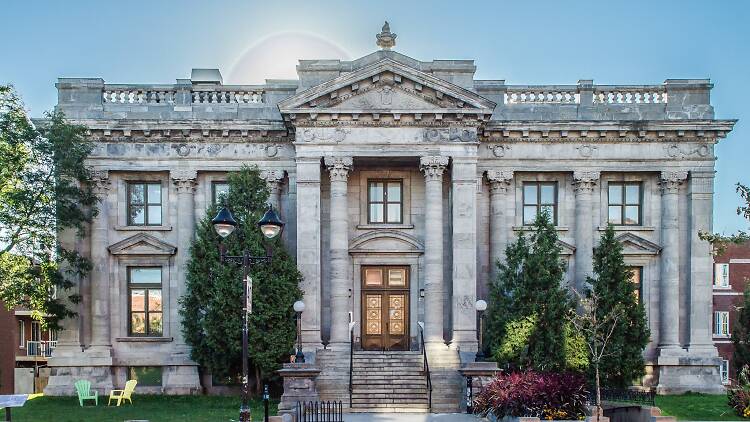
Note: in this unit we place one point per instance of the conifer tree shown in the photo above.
(741, 334)
(614, 288)
(212, 306)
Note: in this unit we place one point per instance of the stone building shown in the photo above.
(401, 182)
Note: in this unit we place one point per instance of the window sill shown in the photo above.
(531, 228)
(384, 226)
(629, 228)
(144, 339)
(144, 228)
(722, 336)
(722, 287)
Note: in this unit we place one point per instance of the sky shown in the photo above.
(523, 42)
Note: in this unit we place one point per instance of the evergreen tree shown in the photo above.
(527, 323)
(212, 306)
(741, 334)
(613, 286)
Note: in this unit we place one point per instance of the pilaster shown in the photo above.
(584, 183)
(500, 194)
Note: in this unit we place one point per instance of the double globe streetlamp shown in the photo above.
(271, 226)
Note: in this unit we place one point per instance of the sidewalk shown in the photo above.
(410, 417)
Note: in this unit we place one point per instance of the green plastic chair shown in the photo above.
(83, 388)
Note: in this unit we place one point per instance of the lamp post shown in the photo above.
(271, 226)
(299, 306)
(480, 306)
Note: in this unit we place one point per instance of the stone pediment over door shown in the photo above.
(634, 245)
(142, 244)
(386, 88)
(385, 242)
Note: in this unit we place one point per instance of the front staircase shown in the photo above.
(389, 382)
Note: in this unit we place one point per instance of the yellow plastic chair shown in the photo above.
(121, 395)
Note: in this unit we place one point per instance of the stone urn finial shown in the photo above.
(386, 39)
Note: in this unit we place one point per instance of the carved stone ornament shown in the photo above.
(586, 151)
(272, 150)
(100, 182)
(584, 181)
(184, 180)
(499, 150)
(499, 180)
(272, 176)
(452, 134)
(670, 181)
(324, 134)
(433, 166)
(338, 167)
(386, 39)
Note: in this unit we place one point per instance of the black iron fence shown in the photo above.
(624, 395)
(320, 411)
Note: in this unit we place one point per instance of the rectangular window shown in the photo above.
(384, 202)
(624, 203)
(636, 277)
(721, 275)
(144, 204)
(21, 334)
(36, 331)
(724, 371)
(219, 191)
(539, 197)
(721, 324)
(144, 301)
(147, 376)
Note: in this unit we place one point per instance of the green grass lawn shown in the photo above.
(151, 408)
(697, 407)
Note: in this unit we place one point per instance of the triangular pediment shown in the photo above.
(142, 244)
(567, 248)
(633, 244)
(387, 86)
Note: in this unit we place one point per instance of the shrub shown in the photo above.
(546, 395)
(739, 396)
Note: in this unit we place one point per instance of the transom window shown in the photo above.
(721, 324)
(385, 201)
(144, 301)
(721, 275)
(144, 204)
(539, 197)
(624, 203)
(219, 192)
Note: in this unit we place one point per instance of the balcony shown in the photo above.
(40, 348)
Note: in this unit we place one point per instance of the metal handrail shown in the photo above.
(351, 364)
(426, 366)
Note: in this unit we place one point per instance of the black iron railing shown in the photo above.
(351, 364)
(624, 395)
(426, 367)
(320, 411)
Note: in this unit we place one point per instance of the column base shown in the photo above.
(68, 365)
(682, 373)
(182, 380)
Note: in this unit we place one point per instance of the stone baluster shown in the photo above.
(101, 339)
(338, 170)
(669, 297)
(500, 195)
(433, 168)
(308, 246)
(184, 181)
(584, 183)
(275, 180)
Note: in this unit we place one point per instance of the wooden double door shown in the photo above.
(385, 308)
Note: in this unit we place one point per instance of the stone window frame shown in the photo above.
(204, 191)
(649, 275)
(538, 204)
(639, 270)
(123, 180)
(562, 192)
(385, 201)
(624, 204)
(405, 176)
(147, 288)
(147, 202)
(649, 189)
(213, 184)
(121, 309)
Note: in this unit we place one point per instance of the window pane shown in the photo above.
(549, 210)
(394, 192)
(220, 191)
(631, 214)
(615, 214)
(137, 215)
(376, 191)
(138, 300)
(138, 323)
(154, 323)
(529, 214)
(394, 213)
(154, 300)
(147, 376)
(548, 194)
(136, 193)
(376, 213)
(373, 277)
(154, 193)
(396, 277)
(529, 194)
(615, 193)
(154, 214)
(145, 275)
(633, 194)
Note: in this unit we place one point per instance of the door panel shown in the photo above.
(385, 308)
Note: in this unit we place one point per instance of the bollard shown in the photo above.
(469, 396)
(265, 402)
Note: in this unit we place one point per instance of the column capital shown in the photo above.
(272, 175)
(100, 182)
(338, 167)
(584, 181)
(184, 179)
(499, 180)
(670, 181)
(433, 166)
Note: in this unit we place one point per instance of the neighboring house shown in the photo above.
(401, 182)
(731, 275)
(8, 347)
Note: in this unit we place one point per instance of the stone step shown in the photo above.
(394, 409)
(389, 400)
(385, 394)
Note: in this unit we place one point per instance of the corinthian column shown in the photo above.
(274, 179)
(669, 292)
(184, 181)
(584, 183)
(101, 339)
(500, 181)
(433, 168)
(338, 170)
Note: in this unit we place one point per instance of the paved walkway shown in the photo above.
(410, 417)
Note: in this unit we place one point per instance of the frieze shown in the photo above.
(117, 150)
(679, 151)
(379, 135)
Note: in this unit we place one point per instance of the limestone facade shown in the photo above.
(468, 155)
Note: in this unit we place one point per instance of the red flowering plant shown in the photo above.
(739, 395)
(546, 395)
